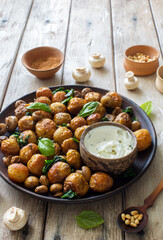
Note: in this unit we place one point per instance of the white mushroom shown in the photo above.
(15, 218)
(130, 81)
(97, 60)
(81, 74)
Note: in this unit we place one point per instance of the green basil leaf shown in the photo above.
(58, 90)
(105, 119)
(28, 114)
(66, 100)
(130, 112)
(50, 163)
(89, 219)
(147, 107)
(64, 125)
(70, 93)
(41, 106)
(75, 140)
(69, 194)
(88, 109)
(46, 147)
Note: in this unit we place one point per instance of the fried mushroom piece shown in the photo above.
(26, 123)
(101, 182)
(39, 115)
(58, 172)
(124, 119)
(116, 111)
(11, 123)
(58, 97)
(77, 122)
(20, 111)
(44, 100)
(85, 91)
(77, 94)
(144, 139)
(61, 134)
(75, 105)
(77, 183)
(10, 147)
(30, 135)
(44, 91)
(78, 132)
(36, 163)
(68, 144)
(58, 107)
(3, 128)
(31, 182)
(73, 158)
(93, 118)
(92, 97)
(61, 118)
(117, 100)
(27, 152)
(100, 109)
(18, 172)
(107, 100)
(45, 128)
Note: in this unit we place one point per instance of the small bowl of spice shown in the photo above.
(43, 62)
(141, 59)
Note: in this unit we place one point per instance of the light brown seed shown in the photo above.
(136, 216)
(123, 216)
(127, 222)
(128, 216)
(134, 213)
(133, 224)
(137, 222)
(132, 219)
(140, 217)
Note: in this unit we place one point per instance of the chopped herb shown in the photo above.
(69, 194)
(88, 109)
(28, 114)
(129, 173)
(130, 112)
(64, 125)
(70, 93)
(41, 106)
(58, 90)
(20, 140)
(105, 119)
(49, 163)
(75, 139)
(66, 100)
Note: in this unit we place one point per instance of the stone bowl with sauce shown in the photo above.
(108, 147)
(43, 62)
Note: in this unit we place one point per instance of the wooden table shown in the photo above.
(79, 28)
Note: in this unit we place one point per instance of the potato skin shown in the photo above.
(17, 172)
(78, 132)
(135, 125)
(117, 100)
(58, 97)
(61, 118)
(10, 147)
(43, 99)
(144, 139)
(44, 91)
(58, 172)
(27, 152)
(68, 144)
(61, 134)
(93, 118)
(75, 105)
(100, 109)
(77, 183)
(58, 107)
(107, 100)
(101, 182)
(124, 119)
(39, 115)
(32, 136)
(31, 182)
(92, 97)
(73, 158)
(45, 128)
(77, 122)
(20, 111)
(26, 123)
(36, 163)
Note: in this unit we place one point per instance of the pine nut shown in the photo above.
(123, 216)
(136, 216)
(133, 225)
(128, 216)
(140, 217)
(127, 222)
(132, 219)
(137, 222)
(134, 213)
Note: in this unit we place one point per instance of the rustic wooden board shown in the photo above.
(89, 32)
(133, 26)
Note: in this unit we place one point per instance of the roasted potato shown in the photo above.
(43, 99)
(58, 107)
(36, 163)
(31, 182)
(20, 111)
(11, 123)
(100, 109)
(94, 118)
(44, 91)
(78, 132)
(117, 100)
(77, 183)
(68, 144)
(73, 158)
(58, 172)
(3, 128)
(45, 128)
(39, 115)
(144, 139)
(124, 119)
(92, 97)
(77, 122)
(61, 118)
(58, 96)
(10, 147)
(18, 172)
(75, 105)
(101, 182)
(26, 123)
(61, 134)
(27, 152)
(30, 135)
(107, 100)
(116, 111)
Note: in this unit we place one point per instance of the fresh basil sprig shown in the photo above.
(89, 219)
(20, 140)
(69, 194)
(75, 139)
(46, 147)
(105, 119)
(50, 163)
(66, 100)
(88, 109)
(58, 90)
(129, 173)
(70, 93)
(41, 106)
(147, 107)
(130, 112)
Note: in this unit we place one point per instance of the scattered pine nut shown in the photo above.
(140, 217)
(133, 224)
(136, 216)
(127, 222)
(133, 219)
(123, 216)
(134, 213)
(128, 216)
(137, 222)
(140, 57)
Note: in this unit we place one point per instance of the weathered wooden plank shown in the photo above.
(133, 26)
(47, 25)
(89, 32)
(13, 17)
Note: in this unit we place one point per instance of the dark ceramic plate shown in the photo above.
(141, 163)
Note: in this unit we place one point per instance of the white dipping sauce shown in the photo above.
(109, 142)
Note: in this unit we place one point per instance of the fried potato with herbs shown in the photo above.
(58, 97)
(45, 128)
(44, 100)
(62, 118)
(92, 97)
(10, 146)
(39, 115)
(18, 172)
(26, 123)
(44, 91)
(68, 144)
(117, 100)
(36, 163)
(27, 152)
(101, 182)
(73, 158)
(75, 105)
(61, 134)
(77, 122)
(78, 132)
(124, 119)
(30, 135)
(144, 139)
(58, 172)
(58, 107)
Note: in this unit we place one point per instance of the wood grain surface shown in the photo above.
(80, 28)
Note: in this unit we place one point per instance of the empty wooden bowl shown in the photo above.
(42, 52)
(114, 166)
(141, 68)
